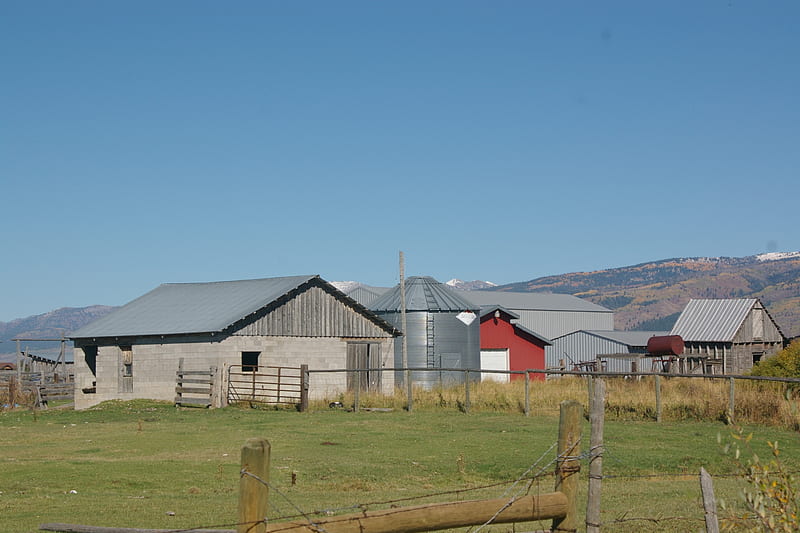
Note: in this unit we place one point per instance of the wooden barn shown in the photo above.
(727, 336)
(507, 345)
(227, 328)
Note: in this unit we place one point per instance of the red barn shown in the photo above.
(509, 346)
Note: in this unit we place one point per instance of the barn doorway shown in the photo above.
(365, 357)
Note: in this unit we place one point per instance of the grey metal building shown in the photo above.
(363, 294)
(442, 328)
(549, 315)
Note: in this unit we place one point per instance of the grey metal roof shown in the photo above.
(629, 338)
(180, 308)
(423, 293)
(533, 301)
(489, 309)
(365, 294)
(715, 320)
(533, 334)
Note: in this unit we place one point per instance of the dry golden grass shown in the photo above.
(758, 403)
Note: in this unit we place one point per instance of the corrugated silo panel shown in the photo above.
(452, 336)
(436, 340)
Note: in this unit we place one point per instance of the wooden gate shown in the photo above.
(194, 387)
(268, 385)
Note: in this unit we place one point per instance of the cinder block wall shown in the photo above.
(155, 363)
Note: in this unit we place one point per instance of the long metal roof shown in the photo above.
(629, 338)
(365, 294)
(713, 320)
(180, 308)
(533, 301)
(424, 293)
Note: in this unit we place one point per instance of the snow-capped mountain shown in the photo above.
(777, 256)
(470, 285)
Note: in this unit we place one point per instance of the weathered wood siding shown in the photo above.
(758, 334)
(313, 313)
(758, 327)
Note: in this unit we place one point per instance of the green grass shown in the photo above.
(130, 464)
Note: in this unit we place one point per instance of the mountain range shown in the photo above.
(648, 296)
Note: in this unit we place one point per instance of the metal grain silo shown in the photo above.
(442, 329)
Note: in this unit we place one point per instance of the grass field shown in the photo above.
(151, 465)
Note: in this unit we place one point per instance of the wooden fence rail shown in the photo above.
(38, 388)
(194, 387)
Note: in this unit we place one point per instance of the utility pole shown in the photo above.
(403, 325)
(19, 363)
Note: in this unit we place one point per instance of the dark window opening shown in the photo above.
(250, 361)
(90, 356)
(757, 356)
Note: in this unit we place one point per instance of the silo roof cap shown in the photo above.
(424, 293)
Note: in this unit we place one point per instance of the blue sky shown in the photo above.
(149, 142)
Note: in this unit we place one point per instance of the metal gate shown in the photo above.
(269, 385)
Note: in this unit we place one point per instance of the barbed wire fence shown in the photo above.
(285, 513)
(284, 508)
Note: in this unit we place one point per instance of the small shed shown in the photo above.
(507, 345)
(728, 335)
(136, 351)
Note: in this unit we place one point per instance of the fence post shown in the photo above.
(409, 391)
(568, 465)
(709, 502)
(12, 392)
(731, 399)
(590, 388)
(304, 382)
(253, 489)
(357, 390)
(466, 391)
(213, 396)
(527, 393)
(597, 418)
(658, 398)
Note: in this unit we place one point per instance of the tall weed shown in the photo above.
(770, 404)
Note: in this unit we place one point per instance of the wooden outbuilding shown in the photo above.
(727, 336)
(137, 350)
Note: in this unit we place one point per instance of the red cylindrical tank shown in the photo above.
(665, 345)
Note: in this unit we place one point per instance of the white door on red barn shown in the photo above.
(494, 360)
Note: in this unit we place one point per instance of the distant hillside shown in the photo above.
(652, 295)
(50, 325)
